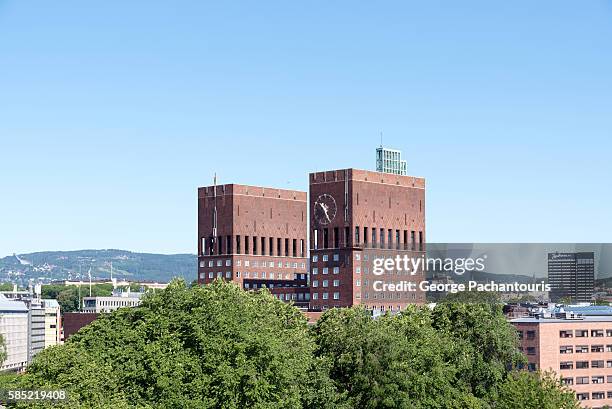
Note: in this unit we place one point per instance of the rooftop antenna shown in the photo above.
(381, 144)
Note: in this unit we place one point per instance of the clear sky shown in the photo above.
(113, 112)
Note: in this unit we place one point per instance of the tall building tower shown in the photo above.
(255, 236)
(357, 216)
(390, 161)
(571, 276)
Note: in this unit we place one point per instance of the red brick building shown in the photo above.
(255, 236)
(355, 217)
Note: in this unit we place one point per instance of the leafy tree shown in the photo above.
(528, 390)
(217, 346)
(472, 297)
(488, 344)
(6, 287)
(391, 362)
(203, 347)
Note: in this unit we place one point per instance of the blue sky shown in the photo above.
(111, 114)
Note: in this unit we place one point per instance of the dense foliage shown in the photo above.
(221, 347)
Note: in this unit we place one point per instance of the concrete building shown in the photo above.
(254, 236)
(576, 347)
(571, 276)
(43, 318)
(53, 322)
(357, 216)
(117, 300)
(14, 320)
(390, 161)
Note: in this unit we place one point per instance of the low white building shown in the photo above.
(117, 300)
(14, 328)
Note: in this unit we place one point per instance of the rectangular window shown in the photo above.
(582, 364)
(357, 241)
(254, 245)
(336, 283)
(271, 246)
(566, 365)
(365, 236)
(412, 240)
(325, 238)
(246, 245)
(597, 364)
(374, 243)
(286, 247)
(582, 380)
(581, 333)
(238, 249)
(336, 296)
(336, 238)
(294, 245)
(566, 349)
(596, 333)
(530, 334)
(389, 238)
(278, 247)
(325, 296)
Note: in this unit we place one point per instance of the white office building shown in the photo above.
(14, 328)
(108, 304)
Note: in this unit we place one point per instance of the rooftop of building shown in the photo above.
(7, 305)
(534, 320)
(248, 190)
(363, 175)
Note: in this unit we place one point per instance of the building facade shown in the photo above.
(254, 236)
(117, 300)
(357, 216)
(571, 276)
(577, 348)
(390, 161)
(14, 325)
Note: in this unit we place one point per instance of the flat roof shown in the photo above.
(532, 320)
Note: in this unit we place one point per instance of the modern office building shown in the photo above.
(14, 325)
(390, 161)
(43, 319)
(357, 216)
(577, 348)
(571, 276)
(254, 236)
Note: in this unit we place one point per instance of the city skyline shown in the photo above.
(109, 125)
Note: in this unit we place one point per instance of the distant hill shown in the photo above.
(74, 265)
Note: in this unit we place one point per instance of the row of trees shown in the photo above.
(221, 347)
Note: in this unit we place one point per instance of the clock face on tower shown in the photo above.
(325, 209)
